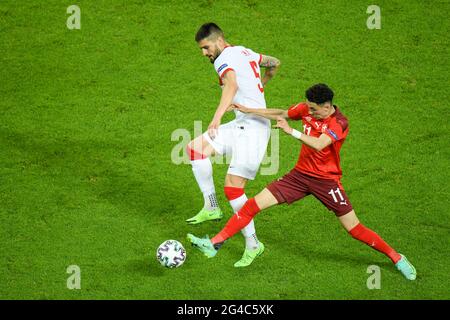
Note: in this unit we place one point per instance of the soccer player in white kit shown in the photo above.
(245, 138)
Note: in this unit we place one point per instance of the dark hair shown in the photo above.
(206, 30)
(319, 93)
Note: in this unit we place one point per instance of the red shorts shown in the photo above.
(296, 185)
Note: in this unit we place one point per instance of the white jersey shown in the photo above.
(245, 63)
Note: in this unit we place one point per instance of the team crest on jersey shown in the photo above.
(308, 118)
(222, 67)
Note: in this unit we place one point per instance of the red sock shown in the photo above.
(233, 193)
(238, 221)
(194, 155)
(373, 240)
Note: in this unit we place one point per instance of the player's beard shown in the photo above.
(215, 55)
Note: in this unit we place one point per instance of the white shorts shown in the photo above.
(245, 143)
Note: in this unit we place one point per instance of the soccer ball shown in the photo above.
(171, 254)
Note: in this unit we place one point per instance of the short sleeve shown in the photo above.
(296, 112)
(255, 56)
(223, 64)
(336, 130)
(222, 69)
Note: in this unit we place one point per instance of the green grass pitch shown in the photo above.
(86, 176)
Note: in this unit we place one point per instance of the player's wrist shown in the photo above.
(217, 117)
(296, 134)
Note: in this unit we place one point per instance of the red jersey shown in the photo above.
(325, 163)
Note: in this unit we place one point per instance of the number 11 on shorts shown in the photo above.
(333, 194)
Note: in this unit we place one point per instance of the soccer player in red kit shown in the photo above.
(317, 172)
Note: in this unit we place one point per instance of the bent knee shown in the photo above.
(194, 154)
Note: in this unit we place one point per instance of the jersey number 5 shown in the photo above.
(254, 66)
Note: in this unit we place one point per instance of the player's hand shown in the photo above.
(213, 128)
(283, 124)
(241, 108)
(230, 108)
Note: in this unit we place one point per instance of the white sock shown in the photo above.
(249, 232)
(210, 200)
(203, 174)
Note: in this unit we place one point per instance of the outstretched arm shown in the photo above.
(271, 65)
(271, 114)
(316, 143)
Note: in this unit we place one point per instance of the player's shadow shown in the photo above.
(98, 166)
(145, 267)
(351, 259)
